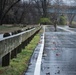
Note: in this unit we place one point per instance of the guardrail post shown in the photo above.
(0, 61)
(14, 53)
(19, 48)
(6, 60)
(23, 44)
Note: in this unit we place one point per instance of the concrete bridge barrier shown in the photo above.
(10, 46)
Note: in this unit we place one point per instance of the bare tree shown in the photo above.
(41, 6)
(5, 7)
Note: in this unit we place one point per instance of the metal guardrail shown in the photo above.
(8, 44)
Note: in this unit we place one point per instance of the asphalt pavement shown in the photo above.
(59, 55)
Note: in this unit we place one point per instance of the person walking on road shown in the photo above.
(55, 25)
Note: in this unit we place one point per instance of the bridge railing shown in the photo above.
(66, 11)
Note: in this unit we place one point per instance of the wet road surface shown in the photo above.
(59, 56)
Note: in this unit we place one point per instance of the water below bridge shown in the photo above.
(59, 55)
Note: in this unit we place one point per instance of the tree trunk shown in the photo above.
(44, 6)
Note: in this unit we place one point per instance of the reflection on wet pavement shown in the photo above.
(59, 56)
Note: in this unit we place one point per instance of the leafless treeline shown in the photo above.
(16, 11)
(27, 12)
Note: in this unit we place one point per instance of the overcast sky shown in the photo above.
(65, 1)
(68, 1)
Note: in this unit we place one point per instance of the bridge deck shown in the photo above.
(67, 11)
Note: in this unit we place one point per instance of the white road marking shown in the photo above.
(38, 63)
(65, 29)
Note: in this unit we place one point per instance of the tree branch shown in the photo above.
(9, 10)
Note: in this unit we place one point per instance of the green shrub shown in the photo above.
(62, 20)
(44, 21)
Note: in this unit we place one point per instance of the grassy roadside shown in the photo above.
(5, 29)
(19, 65)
